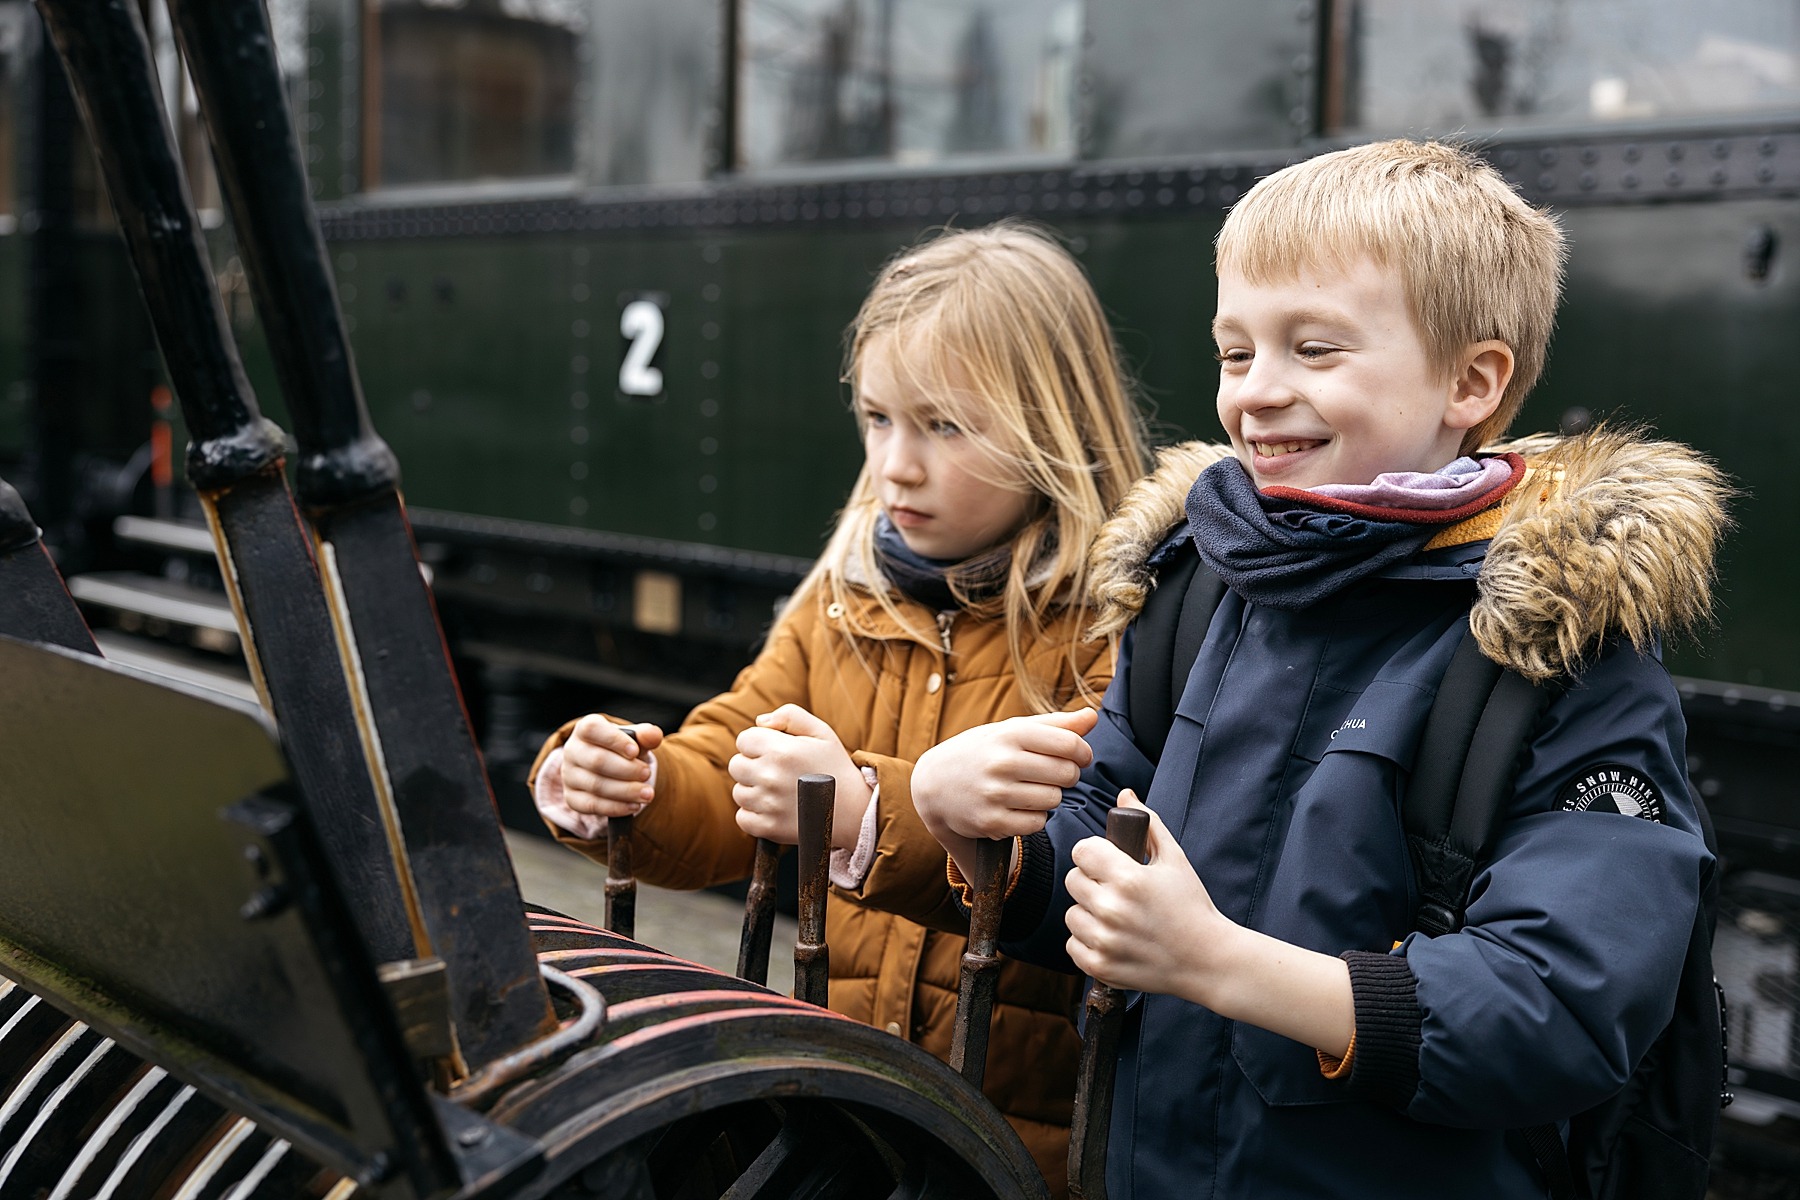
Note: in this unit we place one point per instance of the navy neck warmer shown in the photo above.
(1285, 553)
(928, 580)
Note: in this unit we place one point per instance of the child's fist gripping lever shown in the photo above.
(1129, 830)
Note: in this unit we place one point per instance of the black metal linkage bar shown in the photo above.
(759, 914)
(347, 480)
(235, 460)
(812, 959)
(34, 604)
(1129, 830)
(980, 963)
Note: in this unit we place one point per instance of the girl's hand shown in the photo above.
(1142, 926)
(604, 772)
(1001, 780)
(772, 754)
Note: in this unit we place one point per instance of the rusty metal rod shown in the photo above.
(34, 604)
(621, 882)
(980, 962)
(1129, 830)
(759, 914)
(817, 799)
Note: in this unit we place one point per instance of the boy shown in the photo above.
(1382, 313)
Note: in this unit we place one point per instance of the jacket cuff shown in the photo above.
(1028, 891)
(1384, 1067)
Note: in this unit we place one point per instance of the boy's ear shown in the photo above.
(1480, 383)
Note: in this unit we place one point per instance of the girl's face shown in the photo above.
(936, 483)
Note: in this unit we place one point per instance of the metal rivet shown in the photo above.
(1673, 178)
(1676, 151)
(1547, 156)
(1590, 156)
(1631, 153)
(834, 611)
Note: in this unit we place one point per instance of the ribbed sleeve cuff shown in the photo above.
(1385, 1067)
(1030, 897)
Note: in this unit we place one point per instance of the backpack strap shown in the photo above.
(1479, 726)
(1167, 640)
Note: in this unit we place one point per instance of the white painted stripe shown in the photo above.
(48, 1109)
(121, 1112)
(32, 1078)
(30, 1003)
(259, 1172)
(6, 987)
(202, 1175)
(141, 1143)
(343, 1189)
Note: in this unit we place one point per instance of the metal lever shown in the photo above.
(817, 799)
(759, 914)
(980, 962)
(1129, 830)
(621, 884)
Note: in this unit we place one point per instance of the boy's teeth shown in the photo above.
(1276, 449)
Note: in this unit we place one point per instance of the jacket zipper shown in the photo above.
(943, 624)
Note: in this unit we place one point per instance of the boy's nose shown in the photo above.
(1261, 387)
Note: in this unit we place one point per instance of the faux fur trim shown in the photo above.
(1617, 541)
(1118, 580)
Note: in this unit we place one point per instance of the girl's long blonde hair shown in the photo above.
(1003, 333)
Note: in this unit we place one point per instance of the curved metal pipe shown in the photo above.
(521, 1063)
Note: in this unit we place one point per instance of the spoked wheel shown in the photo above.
(708, 1088)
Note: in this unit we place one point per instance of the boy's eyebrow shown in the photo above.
(1298, 316)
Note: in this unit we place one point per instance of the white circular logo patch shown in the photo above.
(1611, 787)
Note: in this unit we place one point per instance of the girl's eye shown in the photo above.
(945, 428)
(875, 417)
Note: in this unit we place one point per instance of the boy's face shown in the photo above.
(1324, 379)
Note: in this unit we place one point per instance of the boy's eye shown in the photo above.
(1234, 357)
(1314, 351)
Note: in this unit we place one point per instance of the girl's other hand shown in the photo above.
(605, 773)
(1001, 780)
(772, 754)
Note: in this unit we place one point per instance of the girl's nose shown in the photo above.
(904, 462)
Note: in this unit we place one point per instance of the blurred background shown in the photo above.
(597, 257)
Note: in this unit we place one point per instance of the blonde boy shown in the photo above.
(1382, 313)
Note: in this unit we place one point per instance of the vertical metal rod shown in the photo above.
(621, 881)
(34, 604)
(817, 800)
(980, 962)
(759, 914)
(1129, 830)
(235, 460)
(391, 647)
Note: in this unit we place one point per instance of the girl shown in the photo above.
(998, 432)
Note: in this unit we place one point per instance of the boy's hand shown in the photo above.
(772, 754)
(604, 772)
(1137, 925)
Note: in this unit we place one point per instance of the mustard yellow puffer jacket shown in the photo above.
(890, 699)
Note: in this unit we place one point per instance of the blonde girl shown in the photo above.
(998, 431)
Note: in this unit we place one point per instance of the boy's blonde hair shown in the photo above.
(1477, 262)
(1003, 333)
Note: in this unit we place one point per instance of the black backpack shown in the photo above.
(1652, 1139)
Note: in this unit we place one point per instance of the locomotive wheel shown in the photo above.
(709, 1088)
(699, 1086)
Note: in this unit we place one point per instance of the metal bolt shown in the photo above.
(473, 1136)
(266, 902)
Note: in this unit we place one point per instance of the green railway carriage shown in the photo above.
(597, 256)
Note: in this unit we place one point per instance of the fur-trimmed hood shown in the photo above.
(1610, 535)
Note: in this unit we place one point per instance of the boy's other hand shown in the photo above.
(605, 773)
(1133, 925)
(772, 755)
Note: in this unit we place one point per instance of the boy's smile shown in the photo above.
(1324, 378)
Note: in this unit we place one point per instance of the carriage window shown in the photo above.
(1186, 76)
(909, 81)
(652, 93)
(1424, 65)
(464, 90)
